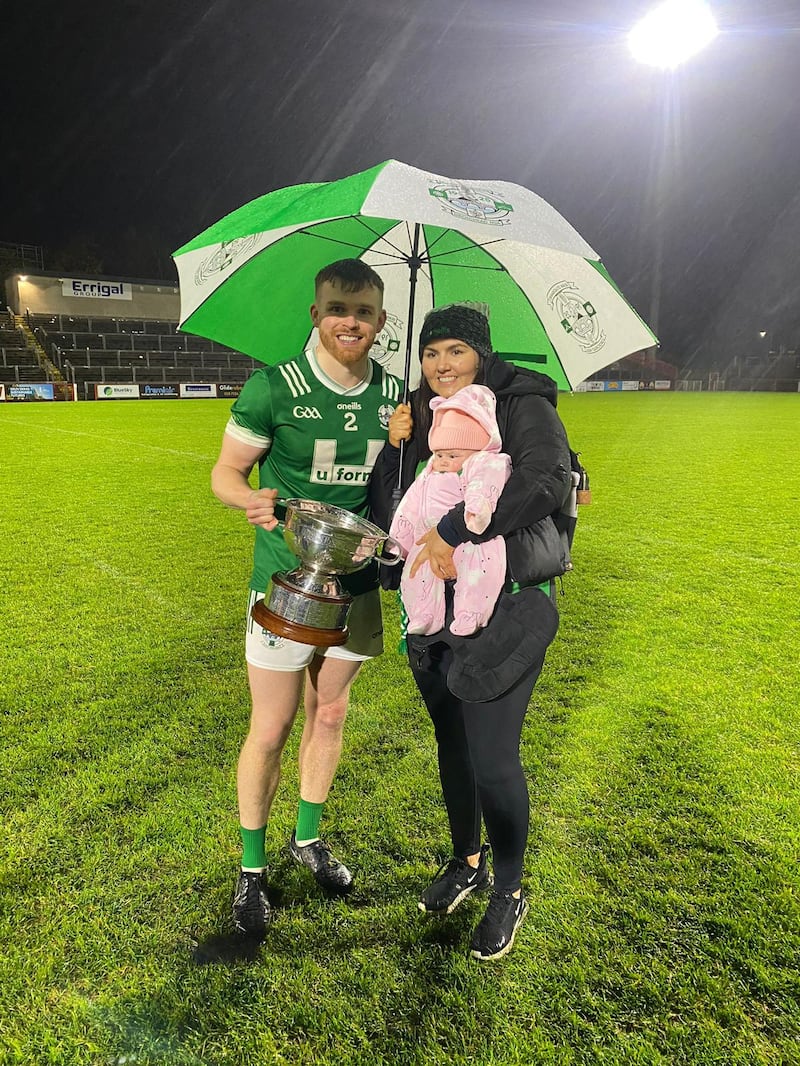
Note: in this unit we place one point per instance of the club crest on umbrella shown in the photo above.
(388, 340)
(475, 204)
(432, 239)
(578, 317)
(222, 258)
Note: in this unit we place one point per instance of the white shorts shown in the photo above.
(270, 652)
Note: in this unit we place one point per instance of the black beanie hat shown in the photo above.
(459, 322)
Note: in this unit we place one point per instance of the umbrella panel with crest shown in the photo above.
(246, 281)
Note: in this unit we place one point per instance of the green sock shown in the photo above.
(254, 857)
(308, 818)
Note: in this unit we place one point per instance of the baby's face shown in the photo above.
(450, 460)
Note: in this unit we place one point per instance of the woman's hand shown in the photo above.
(437, 553)
(260, 508)
(400, 425)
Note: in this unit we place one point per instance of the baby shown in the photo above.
(466, 466)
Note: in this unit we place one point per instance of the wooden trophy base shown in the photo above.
(281, 627)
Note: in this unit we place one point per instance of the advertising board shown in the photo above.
(116, 392)
(96, 290)
(21, 391)
(198, 390)
(158, 392)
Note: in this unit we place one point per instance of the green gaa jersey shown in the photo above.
(320, 439)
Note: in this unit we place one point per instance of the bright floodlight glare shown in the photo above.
(672, 32)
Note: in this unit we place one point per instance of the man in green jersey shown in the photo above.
(314, 425)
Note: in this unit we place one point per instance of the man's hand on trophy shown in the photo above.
(260, 508)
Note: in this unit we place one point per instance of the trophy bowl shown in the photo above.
(309, 604)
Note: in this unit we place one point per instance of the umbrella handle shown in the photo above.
(414, 263)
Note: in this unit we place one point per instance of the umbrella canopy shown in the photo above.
(247, 280)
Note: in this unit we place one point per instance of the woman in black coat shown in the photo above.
(477, 688)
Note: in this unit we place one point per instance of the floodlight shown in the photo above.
(672, 32)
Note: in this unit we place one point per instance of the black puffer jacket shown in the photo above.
(534, 437)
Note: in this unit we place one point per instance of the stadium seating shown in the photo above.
(17, 363)
(91, 350)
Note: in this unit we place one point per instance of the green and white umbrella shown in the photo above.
(247, 281)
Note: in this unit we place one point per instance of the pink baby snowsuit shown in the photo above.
(481, 568)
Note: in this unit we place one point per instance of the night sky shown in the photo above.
(130, 126)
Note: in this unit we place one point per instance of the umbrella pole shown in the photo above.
(414, 263)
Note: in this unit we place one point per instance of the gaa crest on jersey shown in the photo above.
(578, 317)
(304, 411)
(472, 202)
(385, 412)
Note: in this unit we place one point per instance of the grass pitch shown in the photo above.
(661, 751)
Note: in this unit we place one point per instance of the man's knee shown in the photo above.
(331, 716)
(268, 733)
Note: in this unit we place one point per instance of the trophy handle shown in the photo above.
(392, 560)
(284, 504)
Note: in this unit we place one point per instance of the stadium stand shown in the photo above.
(91, 351)
(17, 362)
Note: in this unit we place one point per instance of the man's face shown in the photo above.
(348, 322)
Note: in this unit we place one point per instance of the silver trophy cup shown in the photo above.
(308, 604)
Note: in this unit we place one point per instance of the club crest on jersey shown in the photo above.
(385, 412)
(327, 470)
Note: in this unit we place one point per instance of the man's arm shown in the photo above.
(229, 482)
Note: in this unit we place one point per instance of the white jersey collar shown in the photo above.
(334, 386)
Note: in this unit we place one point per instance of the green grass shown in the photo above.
(661, 750)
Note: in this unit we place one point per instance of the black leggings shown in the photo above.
(479, 764)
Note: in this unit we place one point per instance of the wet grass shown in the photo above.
(661, 750)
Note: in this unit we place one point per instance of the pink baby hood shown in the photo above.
(475, 401)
